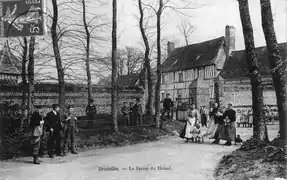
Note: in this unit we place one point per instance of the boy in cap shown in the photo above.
(71, 128)
(137, 108)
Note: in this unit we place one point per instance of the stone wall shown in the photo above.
(102, 99)
(239, 93)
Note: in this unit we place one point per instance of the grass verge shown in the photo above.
(17, 144)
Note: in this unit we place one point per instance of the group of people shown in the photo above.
(216, 124)
(132, 113)
(60, 132)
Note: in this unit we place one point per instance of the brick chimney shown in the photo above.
(229, 39)
(170, 47)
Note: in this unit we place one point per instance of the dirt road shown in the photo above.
(167, 159)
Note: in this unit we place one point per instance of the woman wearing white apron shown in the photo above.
(192, 119)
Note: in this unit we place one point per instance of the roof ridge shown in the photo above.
(221, 37)
(279, 44)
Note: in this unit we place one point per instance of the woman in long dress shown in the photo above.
(193, 120)
(212, 125)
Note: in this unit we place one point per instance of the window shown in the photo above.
(162, 96)
(162, 79)
(208, 72)
(173, 76)
(180, 77)
(195, 73)
(211, 92)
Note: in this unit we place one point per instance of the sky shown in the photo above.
(210, 21)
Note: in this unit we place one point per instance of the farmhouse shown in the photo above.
(213, 71)
(189, 72)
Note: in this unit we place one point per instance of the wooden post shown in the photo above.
(1, 132)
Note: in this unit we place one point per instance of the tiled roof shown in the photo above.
(132, 79)
(7, 60)
(192, 56)
(236, 65)
(128, 80)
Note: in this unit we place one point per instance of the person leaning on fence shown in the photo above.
(126, 113)
(167, 105)
(55, 128)
(36, 124)
(137, 109)
(132, 114)
(71, 129)
(91, 110)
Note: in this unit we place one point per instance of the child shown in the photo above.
(238, 139)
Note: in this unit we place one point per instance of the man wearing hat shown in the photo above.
(71, 128)
(91, 110)
(167, 105)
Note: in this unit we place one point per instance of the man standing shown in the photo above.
(167, 105)
(71, 125)
(228, 129)
(54, 126)
(36, 124)
(91, 111)
(126, 113)
(138, 112)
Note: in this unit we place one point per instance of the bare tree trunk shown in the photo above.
(60, 69)
(114, 68)
(259, 128)
(31, 76)
(158, 71)
(147, 67)
(128, 67)
(23, 74)
(277, 65)
(88, 37)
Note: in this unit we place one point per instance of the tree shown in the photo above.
(31, 77)
(85, 33)
(23, 74)
(162, 5)
(147, 67)
(259, 126)
(56, 50)
(278, 66)
(88, 37)
(158, 71)
(133, 58)
(114, 68)
(186, 29)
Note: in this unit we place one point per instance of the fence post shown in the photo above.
(1, 132)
